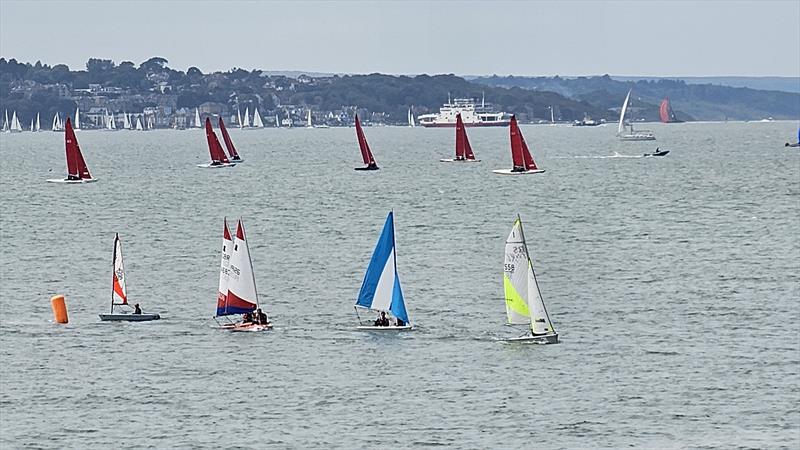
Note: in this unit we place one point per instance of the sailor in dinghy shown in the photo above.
(380, 290)
(119, 292)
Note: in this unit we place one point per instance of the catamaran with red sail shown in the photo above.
(520, 155)
(666, 113)
(463, 149)
(77, 172)
(237, 292)
(218, 158)
(366, 154)
(119, 292)
(234, 155)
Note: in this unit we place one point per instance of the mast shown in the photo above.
(535, 282)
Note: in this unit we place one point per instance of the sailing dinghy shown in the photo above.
(796, 144)
(463, 149)
(119, 291)
(77, 172)
(237, 283)
(229, 143)
(218, 158)
(524, 304)
(520, 155)
(380, 291)
(366, 154)
(639, 135)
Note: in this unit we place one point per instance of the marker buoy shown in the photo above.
(59, 309)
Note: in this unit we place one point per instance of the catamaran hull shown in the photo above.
(637, 138)
(543, 339)
(61, 180)
(459, 160)
(367, 168)
(390, 328)
(510, 172)
(215, 166)
(129, 317)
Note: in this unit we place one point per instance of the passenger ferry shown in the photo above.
(472, 115)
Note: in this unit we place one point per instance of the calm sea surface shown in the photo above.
(674, 283)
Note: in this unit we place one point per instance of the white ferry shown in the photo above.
(472, 115)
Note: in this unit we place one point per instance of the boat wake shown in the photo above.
(615, 155)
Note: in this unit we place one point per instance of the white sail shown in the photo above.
(552, 116)
(119, 290)
(55, 122)
(197, 123)
(308, 119)
(238, 117)
(277, 122)
(242, 281)
(126, 121)
(77, 125)
(621, 126)
(257, 122)
(15, 125)
(38, 123)
(524, 304)
(32, 129)
(139, 126)
(227, 251)
(411, 118)
(7, 125)
(246, 117)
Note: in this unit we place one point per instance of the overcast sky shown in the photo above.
(658, 38)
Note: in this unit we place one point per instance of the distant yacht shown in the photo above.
(257, 122)
(411, 117)
(246, 123)
(472, 115)
(197, 123)
(308, 119)
(640, 135)
(665, 112)
(77, 126)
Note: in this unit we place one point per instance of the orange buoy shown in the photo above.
(59, 309)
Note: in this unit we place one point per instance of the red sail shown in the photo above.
(214, 147)
(663, 110)
(76, 165)
(227, 138)
(366, 154)
(519, 149)
(463, 149)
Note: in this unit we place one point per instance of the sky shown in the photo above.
(636, 38)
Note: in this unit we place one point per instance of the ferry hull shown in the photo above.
(500, 123)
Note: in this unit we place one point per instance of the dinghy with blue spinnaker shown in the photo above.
(524, 304)
(380, 292)
(119, 293)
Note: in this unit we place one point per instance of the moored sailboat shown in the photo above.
(520, 154)
(380, 291)
(234, 155)
(634, 135)
(366, 153)
(463, 148)
(237, 289)
(197, 123)
(119, 291)
(218, 158)
(77, 172)
(257, 122)
(524, 304)
(16, 126)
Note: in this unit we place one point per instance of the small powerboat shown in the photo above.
(657, 153)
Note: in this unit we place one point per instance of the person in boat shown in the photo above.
(400, 322)
(215, 163)
(73, 177)
(518, 169)
(261, 317)
(382, 321)
(247, 318)
(137, 309)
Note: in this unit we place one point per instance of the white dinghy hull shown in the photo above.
(252, 327)
(459, 160)
(389, 328)
(538, 339)
(129, 317)
(510, 172)
(215, 166)
(65, 181)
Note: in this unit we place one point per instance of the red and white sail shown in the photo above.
(214, 147)
(119, 293)
(665, 111)
(463, 149)
(519, 149)
(242, 294)
(76, 165)
(366, 154)
(228, 142)
(227, 250)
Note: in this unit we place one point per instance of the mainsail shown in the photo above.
(308, 119)
(381, 290)
(246, 122)
(366, 154)
(228, 142)
(520, 153)
(214, 147)
(119, 292)
(242, 295)
(6, 123)
(77, 118)
(257, 122)
(524, 304)
(463, 149)
(665, 112)
(621, 126)
(76, 165)
(224, 270)
(38, 123)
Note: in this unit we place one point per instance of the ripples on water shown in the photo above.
(672, 281)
